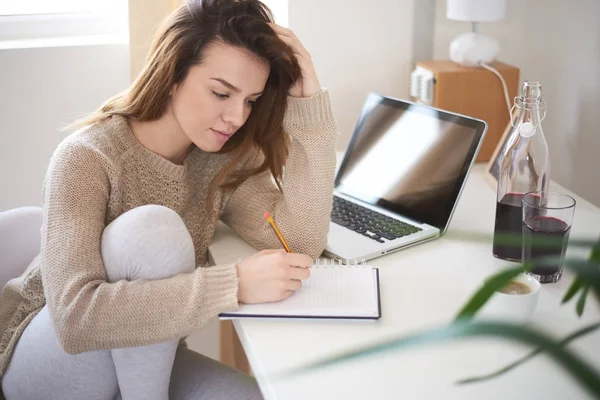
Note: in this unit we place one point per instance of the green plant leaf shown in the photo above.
(573, 289)
(595, 254)
(587, 271)
(581, 301)
(576, 367)
(502, 371)
(491, 285)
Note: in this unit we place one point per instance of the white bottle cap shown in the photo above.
(527, 129)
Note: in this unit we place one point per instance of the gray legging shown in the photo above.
(136, 245)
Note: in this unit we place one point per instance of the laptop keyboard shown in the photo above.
(368, 222)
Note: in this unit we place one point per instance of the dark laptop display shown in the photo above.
(409, 159)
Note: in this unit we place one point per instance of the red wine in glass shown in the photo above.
(545, 236)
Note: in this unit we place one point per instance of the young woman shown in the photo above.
(225, 100)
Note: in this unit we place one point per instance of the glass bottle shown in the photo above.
(524, 168)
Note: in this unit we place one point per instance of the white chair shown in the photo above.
(20, 240)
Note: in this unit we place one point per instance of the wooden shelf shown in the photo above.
(475, 92)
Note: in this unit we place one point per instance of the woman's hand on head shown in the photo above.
(308, 84)
(271, 275)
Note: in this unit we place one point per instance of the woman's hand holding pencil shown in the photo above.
(272, 275)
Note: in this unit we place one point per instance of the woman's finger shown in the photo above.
(299, 273)
(287, 294)
(305, 65)
(303, 57)
(289, 38)
(301, 260)
(294, 285)
(281, 30)
(295, 45)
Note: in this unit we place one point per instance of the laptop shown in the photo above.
(401, 177)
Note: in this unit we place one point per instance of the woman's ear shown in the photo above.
(173, 89)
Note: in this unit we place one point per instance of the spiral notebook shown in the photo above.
(333, 291)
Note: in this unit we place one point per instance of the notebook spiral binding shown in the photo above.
(330, 263)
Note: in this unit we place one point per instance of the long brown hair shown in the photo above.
(179, 44)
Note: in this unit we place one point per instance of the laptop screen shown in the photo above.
(410, 159)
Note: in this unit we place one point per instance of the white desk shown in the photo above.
(422, 287)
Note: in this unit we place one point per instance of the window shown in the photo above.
(37, 7)
(43, 21)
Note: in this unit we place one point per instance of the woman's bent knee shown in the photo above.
(148, 242)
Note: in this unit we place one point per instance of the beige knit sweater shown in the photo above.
(101, 172)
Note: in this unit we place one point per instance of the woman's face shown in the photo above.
(216, 97)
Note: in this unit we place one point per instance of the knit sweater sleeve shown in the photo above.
(302, 209)
(89, 313)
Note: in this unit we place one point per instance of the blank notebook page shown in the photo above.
(336, 291)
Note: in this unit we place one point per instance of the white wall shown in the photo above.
(357, 47)
(42, 89)
(558, 43)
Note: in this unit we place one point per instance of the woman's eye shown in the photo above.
(220, 95)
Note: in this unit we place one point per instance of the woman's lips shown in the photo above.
(222, 135)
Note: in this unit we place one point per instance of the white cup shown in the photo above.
(514, 308)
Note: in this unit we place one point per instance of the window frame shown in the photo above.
(106, 27)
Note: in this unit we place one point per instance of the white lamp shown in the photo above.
(471, 48)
